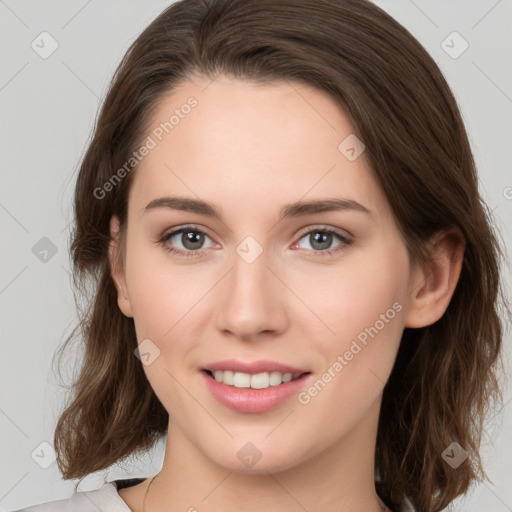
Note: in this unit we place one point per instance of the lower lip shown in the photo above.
(253, 400)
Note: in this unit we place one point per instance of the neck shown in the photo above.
(340, 477)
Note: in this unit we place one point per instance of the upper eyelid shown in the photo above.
(337, 231)
(174, 231)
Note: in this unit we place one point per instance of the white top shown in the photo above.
(107, 499)
(104, 499)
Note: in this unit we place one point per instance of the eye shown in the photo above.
(321, 239)
(191, 239)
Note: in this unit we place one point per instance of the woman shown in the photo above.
(295, 278)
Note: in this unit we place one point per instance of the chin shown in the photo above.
(252, 461)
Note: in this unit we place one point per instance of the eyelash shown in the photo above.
(345, 241)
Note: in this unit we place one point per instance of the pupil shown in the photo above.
(324, 239)
(192, 240)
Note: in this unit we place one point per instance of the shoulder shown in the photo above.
(104, 499)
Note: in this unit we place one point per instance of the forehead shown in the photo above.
(250, 144)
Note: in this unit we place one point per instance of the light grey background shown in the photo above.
(48, 107)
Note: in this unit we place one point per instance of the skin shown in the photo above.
(249, 149)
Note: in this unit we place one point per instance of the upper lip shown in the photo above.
(253, 367)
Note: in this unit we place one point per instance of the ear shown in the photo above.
(116, 262)
(435, 282)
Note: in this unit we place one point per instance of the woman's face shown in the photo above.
(260, 285)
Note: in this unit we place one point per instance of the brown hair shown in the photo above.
(445, 377)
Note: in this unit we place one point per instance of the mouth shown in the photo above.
(260, 380)
(253, 386)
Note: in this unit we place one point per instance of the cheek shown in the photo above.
(353, 297)
(363, 304)
(162, 296)
(364, 307)
(161, 293)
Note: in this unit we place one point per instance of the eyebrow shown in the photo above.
(297, 209)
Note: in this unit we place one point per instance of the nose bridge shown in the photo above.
(249, 281)
(251, 302)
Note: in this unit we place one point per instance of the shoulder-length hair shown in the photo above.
(446, 375)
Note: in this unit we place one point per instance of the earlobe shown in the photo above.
(117, 268)
(436, 280)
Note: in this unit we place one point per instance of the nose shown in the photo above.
(252, 300)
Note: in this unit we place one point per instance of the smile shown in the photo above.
(255, 381)
(254, 393)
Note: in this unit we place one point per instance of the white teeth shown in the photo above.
(275, 378)
(260, 381)
(241, 380)
(228, 377)
(287, 377)
(256, 381)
